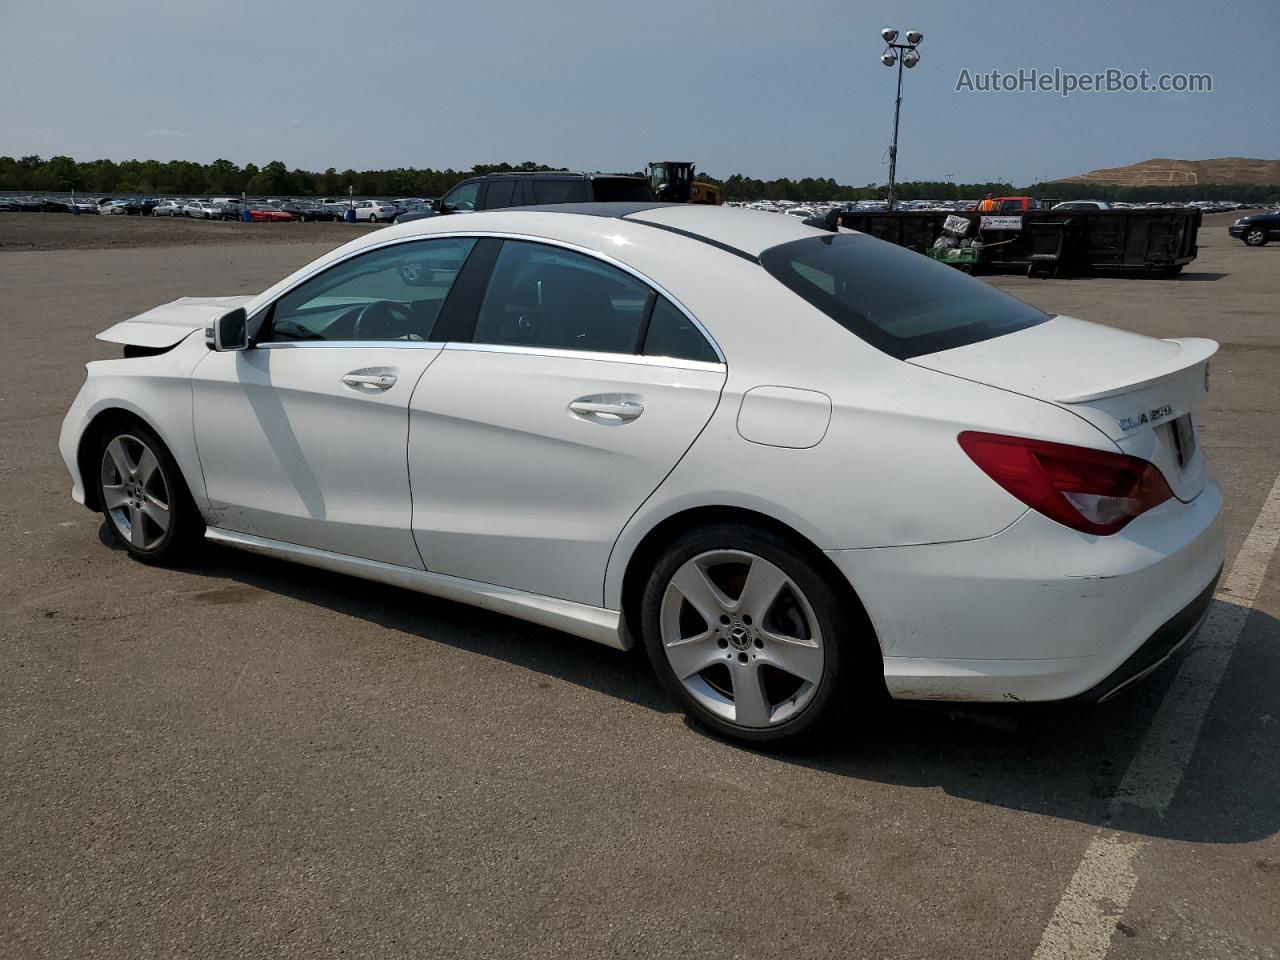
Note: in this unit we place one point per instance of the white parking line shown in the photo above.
(1100, 889)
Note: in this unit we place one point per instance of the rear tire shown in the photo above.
(143, 496)
(750, 637)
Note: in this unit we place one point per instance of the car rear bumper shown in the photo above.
(1157, 648)
(1038, 611)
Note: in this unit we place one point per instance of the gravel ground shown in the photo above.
(250, 759)
(62, 231)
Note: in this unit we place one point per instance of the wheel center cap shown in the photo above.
(739, 637)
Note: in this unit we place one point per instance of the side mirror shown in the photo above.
(230, 331)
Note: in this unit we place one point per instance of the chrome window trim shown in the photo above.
(599, 355)
(353, 344)
(260, 312)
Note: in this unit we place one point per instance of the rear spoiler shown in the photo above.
(1192, 350)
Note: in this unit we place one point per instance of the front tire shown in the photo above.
(1255, 237)
(748, 634)
(143, 496)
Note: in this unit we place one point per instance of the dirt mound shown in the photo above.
(1180, 173)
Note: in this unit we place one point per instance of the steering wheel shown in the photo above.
(383, 320)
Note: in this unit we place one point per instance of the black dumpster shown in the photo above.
(1053, 242)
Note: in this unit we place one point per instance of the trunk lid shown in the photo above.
(165, 325)
(1143, 393)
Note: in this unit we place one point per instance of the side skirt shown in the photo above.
(580, 619)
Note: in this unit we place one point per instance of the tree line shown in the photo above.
(224, 178)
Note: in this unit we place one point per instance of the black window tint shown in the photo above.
(897, 300)
(620, 189)
(559, 191)
(672, 334)
(499, 195)
(394, 293)
(542, 296)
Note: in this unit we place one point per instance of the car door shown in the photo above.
(302, 436)
(531, 445)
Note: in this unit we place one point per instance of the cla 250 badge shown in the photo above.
(1149, 416)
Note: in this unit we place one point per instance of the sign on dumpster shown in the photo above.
(1001, 223)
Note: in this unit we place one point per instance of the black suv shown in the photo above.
(496, 190)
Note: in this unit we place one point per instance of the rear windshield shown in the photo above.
(897, 300)
(621, 190)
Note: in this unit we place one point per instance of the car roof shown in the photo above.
(741, 232)
(646, 236)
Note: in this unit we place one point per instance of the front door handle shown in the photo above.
(374, 381)
(607, 409)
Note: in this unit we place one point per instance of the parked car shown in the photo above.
(265, 213)
(203, 210)
(498, 190)
(1256, 229)
(308, 210)
(1082, 205)
(376, 211)
(168, 208)
(927, 487)
(228, 210)
(133, 206)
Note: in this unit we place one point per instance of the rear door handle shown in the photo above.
(606, 409)
(376, 381)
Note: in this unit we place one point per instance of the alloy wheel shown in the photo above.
(742, 638)
(136, 493)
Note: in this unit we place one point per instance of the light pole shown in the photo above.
(904, 55)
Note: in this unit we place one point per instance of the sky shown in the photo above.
(738, 86)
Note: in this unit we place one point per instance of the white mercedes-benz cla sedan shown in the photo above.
(802, 467)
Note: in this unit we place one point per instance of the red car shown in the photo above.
(269, 215)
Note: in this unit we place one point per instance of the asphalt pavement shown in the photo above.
(246, 758)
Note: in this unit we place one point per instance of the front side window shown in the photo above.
(895, 299)
(462, 199)
(544, 296)
(394, 293)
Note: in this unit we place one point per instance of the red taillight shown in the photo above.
(1088, 490)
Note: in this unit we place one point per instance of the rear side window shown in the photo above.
(500, 193)
(552, 298)
(559, 191)
(672, 334)
(621, 189)
(895, 299)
